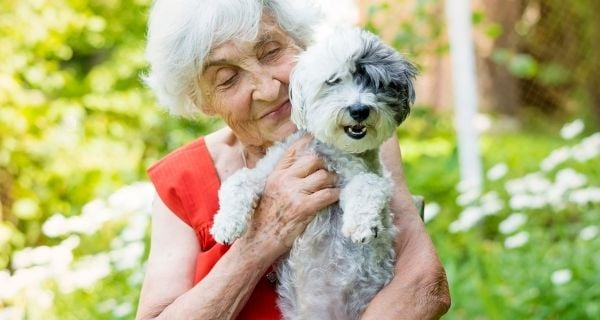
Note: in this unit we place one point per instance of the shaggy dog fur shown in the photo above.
(350, 91)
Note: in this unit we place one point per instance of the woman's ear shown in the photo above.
(206, 109)
(201, 102)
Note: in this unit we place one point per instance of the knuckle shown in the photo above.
(321, 175)
(312, 157)
(329, 194)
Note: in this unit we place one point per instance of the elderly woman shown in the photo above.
(232, 59)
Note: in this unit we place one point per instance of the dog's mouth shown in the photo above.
(357, 131)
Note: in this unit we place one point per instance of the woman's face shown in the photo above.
(246, 83)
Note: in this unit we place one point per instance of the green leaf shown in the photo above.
(523, 66)
(494, 30)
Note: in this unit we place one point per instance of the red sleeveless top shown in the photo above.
(187, 182)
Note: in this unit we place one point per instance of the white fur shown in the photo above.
(345, 255)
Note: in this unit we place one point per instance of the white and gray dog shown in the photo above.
(350, 91)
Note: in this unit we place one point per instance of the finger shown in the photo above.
(322, 198)
(301, 143)
(289, 157)
(318, 180)
(306, 165)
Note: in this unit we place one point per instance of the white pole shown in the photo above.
(465, 91)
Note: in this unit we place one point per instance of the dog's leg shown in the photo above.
(238, 197)
(363, 200)
(240, 193)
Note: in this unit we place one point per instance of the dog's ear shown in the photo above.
(402, 75)
(297, 100)
(389, 71)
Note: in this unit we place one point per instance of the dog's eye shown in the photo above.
(333, 81)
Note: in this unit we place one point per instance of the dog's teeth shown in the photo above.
(356, 131)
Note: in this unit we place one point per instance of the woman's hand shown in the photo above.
(419, 289)
(294, 192)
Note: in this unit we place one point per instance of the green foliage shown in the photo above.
(419, 32)
(490, 279)
(75, 122)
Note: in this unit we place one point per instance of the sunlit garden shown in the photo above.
(78, 130)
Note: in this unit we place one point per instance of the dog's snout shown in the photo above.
(359, 112)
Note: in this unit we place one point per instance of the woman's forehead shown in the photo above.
(268, 31)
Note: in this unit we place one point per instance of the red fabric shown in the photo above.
(187, 182)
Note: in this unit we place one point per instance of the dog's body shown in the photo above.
(350, 92)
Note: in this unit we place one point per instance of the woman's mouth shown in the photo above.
(283, 111)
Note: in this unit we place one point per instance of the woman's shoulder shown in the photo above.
(186, 181)
(225, 152)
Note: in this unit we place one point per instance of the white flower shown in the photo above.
(128, 256)
(555, 158)
(570, 179)
(515, 186)
(491, 203)
(86, 272)
(41, 298)
(464, 186)
(44, 255)
(562, 276)
(585, 196)
(136, 228)
(589, 232)
(8, 287)
(532, 183)
(31, 256)
(467, 219)
(431, 210)
(536, 183)
(516, 241)
(571, 130)
(107, 305)
(122, 310)
(134, 197)
(497, 172)
(136, 278)
(468, 197)
(525, 201)
(55, 226)
(555, 196)
(11, 312)
(512, 223)
(588, 148)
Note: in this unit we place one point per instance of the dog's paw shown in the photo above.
(226, 232)
(362, 232)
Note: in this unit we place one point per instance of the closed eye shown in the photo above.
(271, 51)
(229, 82)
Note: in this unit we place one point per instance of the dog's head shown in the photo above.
(351, 90)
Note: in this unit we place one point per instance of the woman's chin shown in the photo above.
(284, 130)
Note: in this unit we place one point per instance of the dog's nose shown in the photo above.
(359, 112)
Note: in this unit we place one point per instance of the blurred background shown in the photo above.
(77, 130)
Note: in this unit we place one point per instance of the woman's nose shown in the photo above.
(266, 88)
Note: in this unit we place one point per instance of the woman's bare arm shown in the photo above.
(294, 192)
(419, 289)
(168, 291)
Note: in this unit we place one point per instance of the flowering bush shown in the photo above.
(525, 245)
(99, 253)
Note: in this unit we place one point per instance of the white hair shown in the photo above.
(181, 34)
